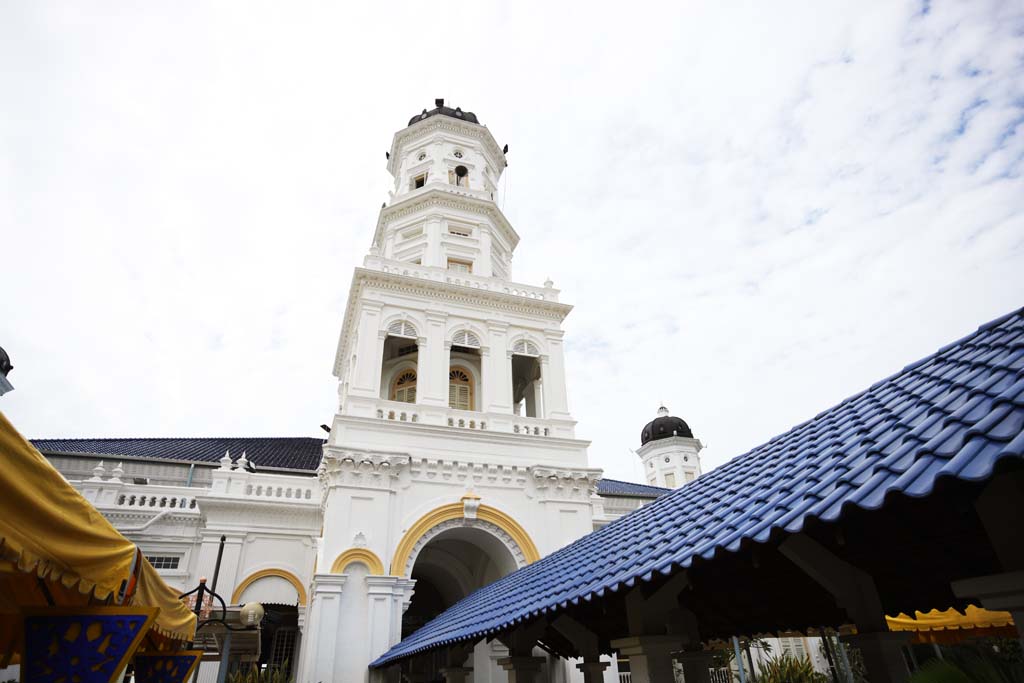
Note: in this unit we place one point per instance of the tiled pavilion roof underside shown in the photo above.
(882, 477)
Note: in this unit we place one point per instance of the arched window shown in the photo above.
(402, 328)
(524, 347)
(460, 176)
(460, 390)
(404, 387)
(465, 339)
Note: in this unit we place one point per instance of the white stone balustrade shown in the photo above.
(491, 284)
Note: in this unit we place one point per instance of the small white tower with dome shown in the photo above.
(669, 451)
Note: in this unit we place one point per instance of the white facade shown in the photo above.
(452, 458)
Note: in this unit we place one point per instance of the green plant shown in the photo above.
(255, 675)
(970, 665)
(788, 669)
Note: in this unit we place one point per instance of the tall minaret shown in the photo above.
(452, 458)
(669, 452)
(434, 323)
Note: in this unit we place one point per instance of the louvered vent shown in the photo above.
(402, 328)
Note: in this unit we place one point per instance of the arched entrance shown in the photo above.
(455, 561)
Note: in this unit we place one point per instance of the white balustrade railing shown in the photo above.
(461, 279)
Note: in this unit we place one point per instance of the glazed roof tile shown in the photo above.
(615, 487)
(952, 415)
(295, 453)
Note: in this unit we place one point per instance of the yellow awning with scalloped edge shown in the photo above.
(951, 620)
(49, 531)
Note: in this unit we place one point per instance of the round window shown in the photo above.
(668, 459)
(458, 154)
(422, 156)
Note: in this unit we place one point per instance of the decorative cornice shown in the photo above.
(565, 484)
(442, 197)
(358, 468)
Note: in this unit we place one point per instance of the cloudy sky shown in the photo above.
(758, 209)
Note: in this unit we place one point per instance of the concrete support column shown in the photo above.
(434, 255)
(883, 655)
(456, 674)
(650, 657)
(696, 666)
(369, 350)
(593, 672)
(522, 669)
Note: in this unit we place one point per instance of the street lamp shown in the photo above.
(250, 615)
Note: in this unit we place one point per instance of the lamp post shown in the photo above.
(250, 615)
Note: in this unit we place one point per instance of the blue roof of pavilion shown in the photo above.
(954, 415)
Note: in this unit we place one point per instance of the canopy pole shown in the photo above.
(739, 659)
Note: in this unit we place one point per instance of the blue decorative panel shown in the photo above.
(88, 645)
(168, 667)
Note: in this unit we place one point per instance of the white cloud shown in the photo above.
(757, 209)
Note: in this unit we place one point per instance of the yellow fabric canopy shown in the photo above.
(950, 625)
(48, 530)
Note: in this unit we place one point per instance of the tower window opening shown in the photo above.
(461, 176)
(461, 232)
(419, 181)
(670, 480)
(403, 389)
(460, 389)
(460, 266)
(526, 386)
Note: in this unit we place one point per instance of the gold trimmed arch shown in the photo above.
(363, 555)
(256, 576)
(451, 511)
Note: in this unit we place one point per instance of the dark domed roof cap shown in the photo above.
(441, 110)
(663, 427)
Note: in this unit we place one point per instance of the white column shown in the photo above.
(432, 375)
(369, 351)
(317, 657)
(482, 267)
(434, 255)
(556, 401)
(650, 657)
(499, 369)
(484, 400)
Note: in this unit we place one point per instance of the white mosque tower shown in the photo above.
(452, 459)
(669, 451)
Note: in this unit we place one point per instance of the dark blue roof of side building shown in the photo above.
(951, 416)
(614, 487)
(295, 453)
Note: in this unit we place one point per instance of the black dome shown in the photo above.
(441, 110)
(664, 426)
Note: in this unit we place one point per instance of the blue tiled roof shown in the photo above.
(614, 487)
(951, 416)
(297, 453)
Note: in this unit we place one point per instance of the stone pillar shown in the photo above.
(369, 349)
(522, 669)
(593, 672)
(696, 666)
(433, 255)
(650, 657)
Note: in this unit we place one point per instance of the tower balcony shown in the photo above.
(460, 279)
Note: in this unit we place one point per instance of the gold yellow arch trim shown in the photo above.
(367, 557)
(253, 578)
(456, 511)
